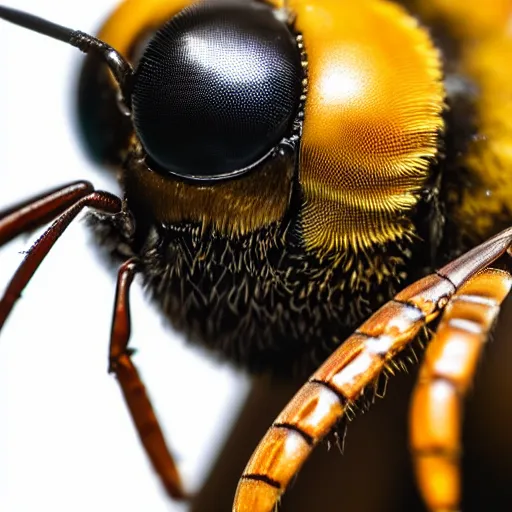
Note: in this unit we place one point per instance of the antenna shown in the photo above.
(118, 65)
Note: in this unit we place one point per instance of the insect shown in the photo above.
(434, 234)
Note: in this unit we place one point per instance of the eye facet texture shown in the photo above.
(217, 89)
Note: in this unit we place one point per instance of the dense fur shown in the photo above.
(262, 300)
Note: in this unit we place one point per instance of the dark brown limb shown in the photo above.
(102, 201)
(40, 210)
(134, 391)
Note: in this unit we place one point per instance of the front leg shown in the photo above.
(134, 392)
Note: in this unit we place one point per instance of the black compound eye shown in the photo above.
(217, 89)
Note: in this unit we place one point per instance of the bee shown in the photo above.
(335, 266)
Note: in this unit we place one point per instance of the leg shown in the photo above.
(65, 203)
(32, 214)
(134, 391)
(318, 486)
(446, 374)
(341, 380)
(39, 210)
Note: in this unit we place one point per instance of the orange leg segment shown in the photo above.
(446, 374)
(341, 380)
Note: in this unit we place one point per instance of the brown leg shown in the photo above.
(341, 380)
(21, 219)
(446, 374)
(134, 391)
(41, 209)
(66, 203)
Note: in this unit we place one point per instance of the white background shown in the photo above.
(66, 441)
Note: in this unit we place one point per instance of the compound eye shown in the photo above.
(217, 89)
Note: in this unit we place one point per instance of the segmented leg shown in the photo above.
(446, 374)
(341, 380)
(64, 204)
(134, 391)
(27, 217)
(40, 210)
